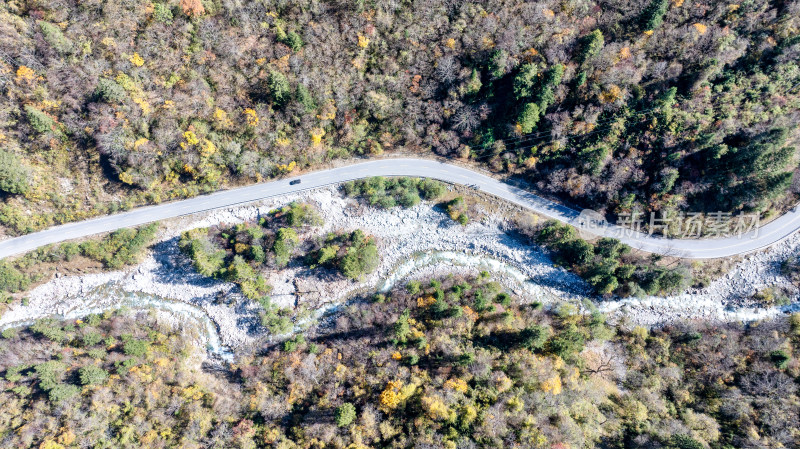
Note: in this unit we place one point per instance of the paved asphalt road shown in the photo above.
(767, 235)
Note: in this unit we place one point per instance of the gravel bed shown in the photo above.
(405, 237)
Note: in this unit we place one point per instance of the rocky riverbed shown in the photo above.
(414, 243)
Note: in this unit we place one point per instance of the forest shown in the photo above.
(651, 105)
(450, 362)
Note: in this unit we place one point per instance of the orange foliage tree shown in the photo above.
(192, 7)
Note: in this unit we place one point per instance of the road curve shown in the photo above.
(767, 235)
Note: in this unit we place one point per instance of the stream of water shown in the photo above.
(478, 262)
(109, 296)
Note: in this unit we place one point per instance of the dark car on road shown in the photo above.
(295, 182)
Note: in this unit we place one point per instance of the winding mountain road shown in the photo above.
(767, 235)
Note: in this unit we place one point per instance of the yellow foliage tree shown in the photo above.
(700, 28)
(611, 95)
(436, 409)
(208, 149)
(221, 117)
(136, 60)
(316, 135)
(191, 138)
(50, 444)
(139, 143)
(552, 385)
(457, 384)
(390, 396)
(251, 116)
(286, 168)
(25, 74)
(425, 301)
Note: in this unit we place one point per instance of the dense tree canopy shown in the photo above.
(130, 103)
(443, 363)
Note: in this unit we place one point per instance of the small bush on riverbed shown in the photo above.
(457, 210)
(354, 254)
(11, 279)
(604, 265)
(390, 192)
(121, 248)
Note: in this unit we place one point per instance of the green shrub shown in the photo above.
(653, 15)
(162, 13)
(11, 279)
(49, 329)
(285, 242)
(298, 214)
(430, 189)
(93, 319)
(70, 250)
(53, 35)
(388, 193)
(109, 91)
(361, 257)
(293, 344)
(92, 375)
(278, 88)
(529, 117)
(276, 320)
(91, 339)
(345, 414)
(681, 441)
(135, 348)
(39, 121)
(62, 392)
(97, 353)
(124, 366)
(13, 174)
(327, 255)
(13, 373)
(49, 374)
(122, 247)
(9, 333)
(780, 358)
(207, 258)
(409, 199)
(525, 81)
